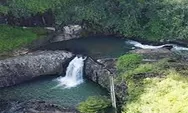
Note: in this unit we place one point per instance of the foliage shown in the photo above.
(128, 61)
(94, 104)
(21, 8)
(3, 9)
(149, 19)
(15, 37)
(159, 95)
(142, 70)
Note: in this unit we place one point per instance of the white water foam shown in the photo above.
(179, 48)
(140, 45)
(74, 74)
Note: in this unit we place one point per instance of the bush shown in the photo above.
(128, 62)
(94, 104)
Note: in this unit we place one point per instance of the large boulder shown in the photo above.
(18, 69)
(99, 71)
(69, 32)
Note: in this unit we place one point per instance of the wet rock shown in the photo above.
(34, 106)
(18, 69)
(100, 71)
(97, 73)
(69, 32)
(154, 54)
(168, 46)
(109, 63)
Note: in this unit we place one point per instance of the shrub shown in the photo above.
(94, 104)
(128, 62)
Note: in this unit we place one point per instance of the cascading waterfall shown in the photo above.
(74, 74)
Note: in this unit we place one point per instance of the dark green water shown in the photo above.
(94, 46)
(43, 89)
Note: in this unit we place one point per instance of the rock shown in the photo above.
(21, 51)
(109, 63)
(154, 54)
(99, 72)
(69, 32)
(35, 106)
(168, 46)
(18, 69)
(50, 28)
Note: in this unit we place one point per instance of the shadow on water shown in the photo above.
(94, 46)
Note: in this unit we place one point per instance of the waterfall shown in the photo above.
(74, 74)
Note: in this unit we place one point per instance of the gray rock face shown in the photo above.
(69, 32)
(154, 54)
(99, 72)
(21, 68)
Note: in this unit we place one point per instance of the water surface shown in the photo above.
(44, 89)
(94, 46)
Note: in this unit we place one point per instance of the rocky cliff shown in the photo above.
(18, 69)
(99, 72)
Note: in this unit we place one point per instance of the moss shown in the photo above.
(94, 104)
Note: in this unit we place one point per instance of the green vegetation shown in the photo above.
(154, 87)
(94, 104)
(160, 95)
(15, 37)
(3, 9)
(128, 61)
(150, 19)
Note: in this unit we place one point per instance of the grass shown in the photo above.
(15, 37)
(159, 95)
(156, 87)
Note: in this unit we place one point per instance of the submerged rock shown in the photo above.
(69, 32)
(18, 69)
